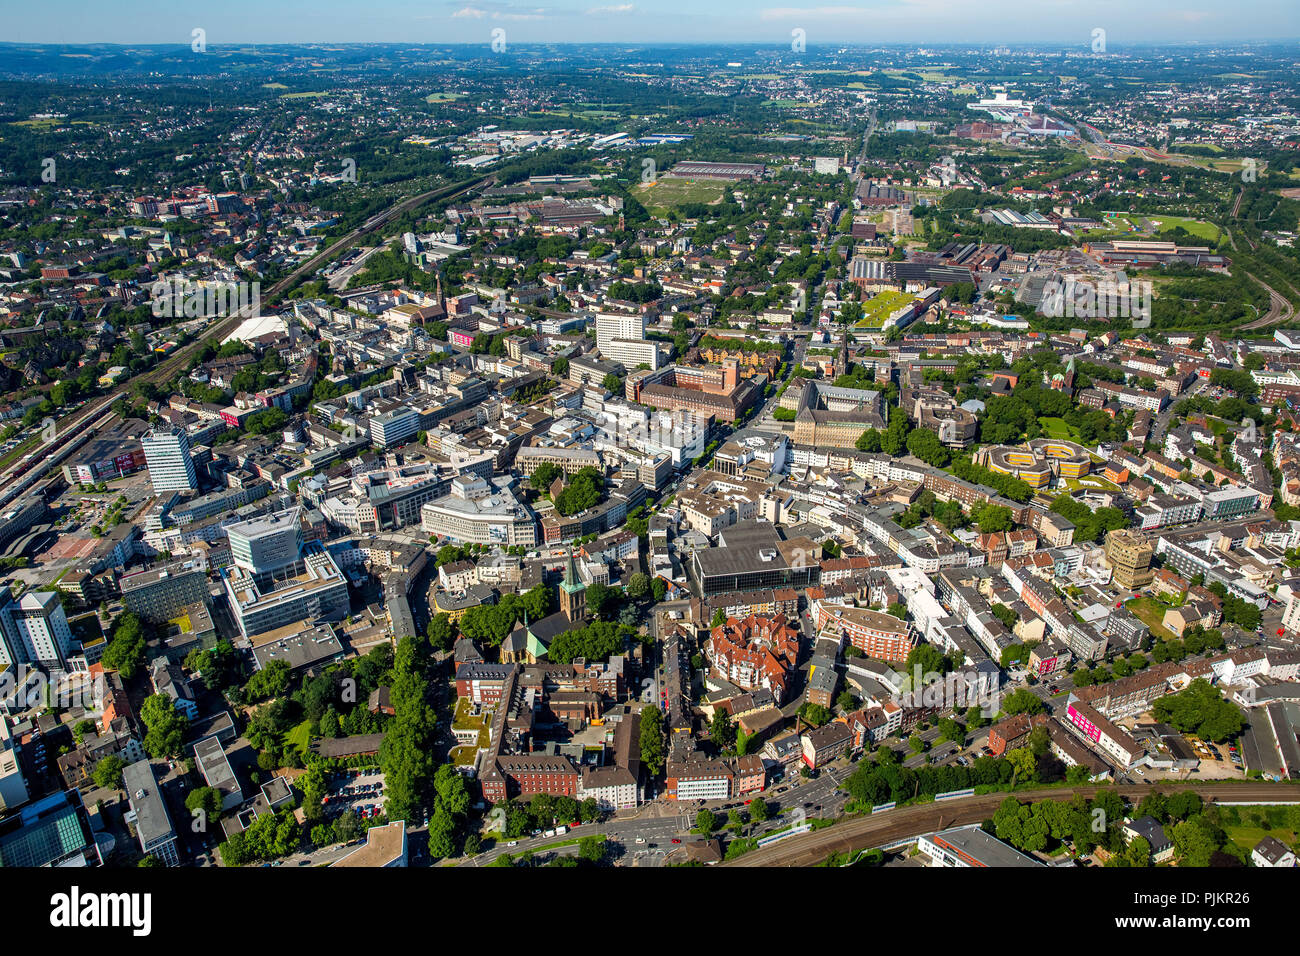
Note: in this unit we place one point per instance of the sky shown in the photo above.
(644, 21)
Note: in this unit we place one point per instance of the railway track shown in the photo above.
(895, 826)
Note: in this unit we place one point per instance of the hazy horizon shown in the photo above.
(469, 22)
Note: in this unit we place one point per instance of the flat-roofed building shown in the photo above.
(749, 559)
(877, 635)
(169, 460)
(970, 846)
(162, 593)
(34, 630)
(212, 762)
(149, 816)
(315, 590)
(731, 172)
(385, 847)
(478, 512)
(52, 831)
(299, 645)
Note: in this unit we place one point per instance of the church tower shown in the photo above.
(573, 593)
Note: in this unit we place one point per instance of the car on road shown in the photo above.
(675, 840)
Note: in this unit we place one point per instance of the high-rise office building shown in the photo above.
(612, 326)
(276, 581)
(621, 338)
(267, 543)
(167, 456)
(34, 630)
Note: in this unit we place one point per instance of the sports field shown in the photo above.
(1204, 230)
(669, 191)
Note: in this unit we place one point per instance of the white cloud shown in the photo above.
(622, 8)
(469, 12)
(811, 13)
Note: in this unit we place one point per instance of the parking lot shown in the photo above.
(1218, 761)
(355, 791)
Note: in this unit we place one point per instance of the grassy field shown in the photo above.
(1248, 837)
(880, 307)
(1151, 612)
(1255, 823)
(667, 192)
(48, 124)
(579, 114)
(303, 96)
(1205, 230)
(299, 736)
(1057, 428)
(442, 97)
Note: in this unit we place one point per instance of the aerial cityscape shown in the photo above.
(513, 448)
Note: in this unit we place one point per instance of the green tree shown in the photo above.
(652, 740)
(815, 714)
(1022, 701)
(545, 476)
(868, 441)
(722, 730)
(108, 772)
(271, 681)
(706, 822)
(592, 850)
(166, 727)
(441, 632)
(126, 648)
(207, 799)
(1138, 852)
(638, 586)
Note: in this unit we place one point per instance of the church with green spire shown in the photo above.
(529, 642)
(573, 593)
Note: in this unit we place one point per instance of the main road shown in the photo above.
(894, 826)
